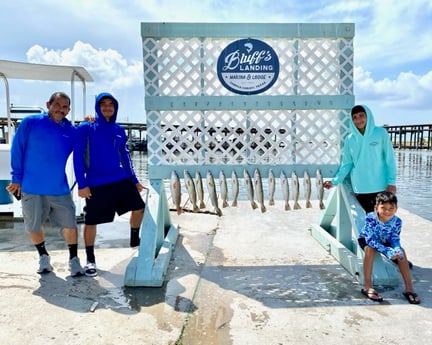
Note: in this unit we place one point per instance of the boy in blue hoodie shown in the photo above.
(105, 176)
(368, 157)
(40, 150)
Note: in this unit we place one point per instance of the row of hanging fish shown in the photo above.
(195, 190)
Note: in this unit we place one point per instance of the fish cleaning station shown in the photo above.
(221, 104)
(240, 243)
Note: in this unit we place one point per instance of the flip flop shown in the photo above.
(411, 297)
(372, 294)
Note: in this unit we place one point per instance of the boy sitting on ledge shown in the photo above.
(381, 233)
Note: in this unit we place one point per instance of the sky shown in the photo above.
(392, 46)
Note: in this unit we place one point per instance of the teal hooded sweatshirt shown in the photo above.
(368, 158)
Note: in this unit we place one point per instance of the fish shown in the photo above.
(320, 189)
(307, 188)
(249, 187)
(223, 189)
(235, 188)
(259, 189)
(199, 189)
(212, 192)
(190, 187)
(175, 188)
(272, 187)
(296, 190)
(285, 190)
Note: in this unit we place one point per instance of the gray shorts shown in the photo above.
(59, 209)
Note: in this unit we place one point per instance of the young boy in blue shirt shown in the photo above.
(381, 233)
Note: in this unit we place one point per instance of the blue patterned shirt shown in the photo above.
(384, 237)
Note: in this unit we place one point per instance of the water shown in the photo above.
(413, 181)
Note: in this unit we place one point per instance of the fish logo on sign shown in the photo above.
(248, 67)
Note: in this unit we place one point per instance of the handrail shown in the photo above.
(8, 108)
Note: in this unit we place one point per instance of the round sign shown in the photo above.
(248, 66)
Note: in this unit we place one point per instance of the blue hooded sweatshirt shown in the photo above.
(39, 153)
(368, 158)
(101, 155)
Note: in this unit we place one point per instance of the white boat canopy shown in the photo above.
(43, 72)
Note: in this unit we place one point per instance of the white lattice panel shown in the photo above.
(177, 68)
(239, 137)
(188, 67)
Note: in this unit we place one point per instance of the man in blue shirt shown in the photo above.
(40, 149)
(105, 176)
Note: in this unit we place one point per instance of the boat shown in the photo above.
(10, 208)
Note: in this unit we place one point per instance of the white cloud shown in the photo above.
(392, 43)
(108, 67)
(407, 91)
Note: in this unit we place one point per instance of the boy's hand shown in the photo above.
(327, 184)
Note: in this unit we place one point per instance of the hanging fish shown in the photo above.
(272, 187)
(285, 190)
(235, 188)
(320, 189)
(259, 189)
(249, 187)
(175, 188)
(190, 187)
(307, 188)
(296, 190)
(223, 189)
(212, 192)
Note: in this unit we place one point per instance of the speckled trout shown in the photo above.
(175, 187)
(212, 192)
(259, 189)
(249, 187)
(285, 190)
(190, 187)
(296, 190)
(199, 189)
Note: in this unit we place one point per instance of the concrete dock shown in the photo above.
(246, 278)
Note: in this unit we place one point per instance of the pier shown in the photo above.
(411, 136)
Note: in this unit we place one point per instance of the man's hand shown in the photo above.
(140, 187)
(89, 118)
(84, 193)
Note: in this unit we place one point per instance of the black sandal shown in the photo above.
(372, 294)
(411, 297)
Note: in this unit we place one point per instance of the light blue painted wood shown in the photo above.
(233, 30)
(158, 238)
(262, 102)
(145, 270)
(337, 231)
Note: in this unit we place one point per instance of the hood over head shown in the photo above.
(99, 115)
(370, 121)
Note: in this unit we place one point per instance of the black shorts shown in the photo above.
(362, 243)
(367, 201)
(107, 200)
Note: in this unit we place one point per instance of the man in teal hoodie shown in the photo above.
(368, 157)
(105, 176)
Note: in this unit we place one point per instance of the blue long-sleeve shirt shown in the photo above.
(368, 158)
(101, 154)
(384, 237)
(39, 153)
